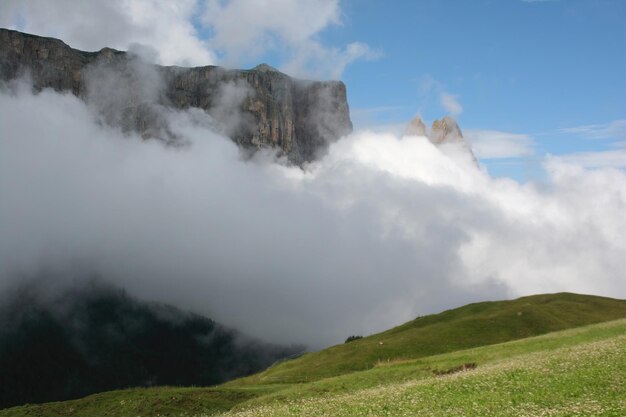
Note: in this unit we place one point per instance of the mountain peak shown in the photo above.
(416, 127)
(265, 68)
(445, 130)
(442, 133)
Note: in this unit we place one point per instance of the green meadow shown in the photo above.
(535, 356)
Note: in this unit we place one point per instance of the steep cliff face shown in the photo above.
(261, 107)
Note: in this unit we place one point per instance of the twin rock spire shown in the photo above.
(443, 132)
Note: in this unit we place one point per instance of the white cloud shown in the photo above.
(396, 129)
(450, 103)
(251, 27)
(313, 60)
(245, 30)
(234, 30)
(382, 229)
(493, 144)
(91, 25)
(371, 118)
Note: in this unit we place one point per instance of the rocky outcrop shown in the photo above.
(416, 127)
(257, 108)
(446, 130)
(443, 133)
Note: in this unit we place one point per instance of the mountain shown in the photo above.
(59, 345)
(416, 127)
(445, 130)
(257, 108)
(575, 371)
(444, 133)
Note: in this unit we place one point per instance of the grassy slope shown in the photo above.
(576, 372)
(472, 325)
(465, 327)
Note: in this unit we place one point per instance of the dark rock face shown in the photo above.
(257, 108)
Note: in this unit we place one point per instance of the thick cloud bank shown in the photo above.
(381, 230)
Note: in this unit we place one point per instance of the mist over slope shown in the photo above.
(380, 230)
(60, 342)
(466, 327)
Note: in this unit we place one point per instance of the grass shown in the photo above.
(580, 371)
(585, 378)
(473, 325)
(149, 402)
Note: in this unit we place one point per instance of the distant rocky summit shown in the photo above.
(256, 108)
(444, 132)
(416, 128)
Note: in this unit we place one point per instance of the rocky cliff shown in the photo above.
(257, 108)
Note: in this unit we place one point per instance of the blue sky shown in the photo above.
(535, 68)
(549, 71)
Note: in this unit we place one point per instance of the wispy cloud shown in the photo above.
(243, 30)
(450, 103)
(601, 159)
(375, 110)
(428, 83)
(493, 144)
(611, 130)
(613, 134)
(379, 119)
(430, 87)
